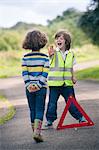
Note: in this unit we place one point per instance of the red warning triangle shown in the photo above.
(88, 120)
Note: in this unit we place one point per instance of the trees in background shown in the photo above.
(90, 21)
(83, 26)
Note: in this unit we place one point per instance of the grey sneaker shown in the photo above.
(48, 125)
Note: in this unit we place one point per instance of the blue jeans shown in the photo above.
(36, 102)
(54, 93)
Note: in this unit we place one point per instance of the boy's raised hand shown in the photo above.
(51, 50)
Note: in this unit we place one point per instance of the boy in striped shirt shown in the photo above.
(35, 66)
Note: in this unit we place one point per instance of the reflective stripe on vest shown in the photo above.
(60, 72)
(61, 69)
(59, 78)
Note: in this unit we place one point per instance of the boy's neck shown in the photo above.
(63, 50)
(35, 51)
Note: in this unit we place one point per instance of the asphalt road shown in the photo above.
(16, 134)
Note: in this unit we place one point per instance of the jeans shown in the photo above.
(54, 93)
(36, 103)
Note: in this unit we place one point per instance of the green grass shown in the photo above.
(88, 74)
(10, 110)
(10, 61)
(86, 53)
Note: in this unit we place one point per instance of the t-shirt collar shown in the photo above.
(66, 52)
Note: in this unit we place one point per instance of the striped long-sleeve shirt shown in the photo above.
(35, 68)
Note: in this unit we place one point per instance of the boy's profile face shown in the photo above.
(60, 42)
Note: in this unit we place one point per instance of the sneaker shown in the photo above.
(48, 125)
(82, 119)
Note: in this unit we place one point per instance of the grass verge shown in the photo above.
(88, 74)
(87, 53)
(10, 110)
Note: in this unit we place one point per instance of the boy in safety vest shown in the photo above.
(61, 77)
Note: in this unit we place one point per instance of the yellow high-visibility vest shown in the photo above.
(60, 71)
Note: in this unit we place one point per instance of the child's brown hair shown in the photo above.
(66, 37)
(35, 40)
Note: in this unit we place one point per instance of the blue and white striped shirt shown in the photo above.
(35, 67)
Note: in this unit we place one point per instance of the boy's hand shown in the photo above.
(51, 51)
(32, 88)
(74, 80)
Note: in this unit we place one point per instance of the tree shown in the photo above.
(90, 21)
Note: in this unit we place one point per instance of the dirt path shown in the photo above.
(86, 65)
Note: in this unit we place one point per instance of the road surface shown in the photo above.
(16, 134)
